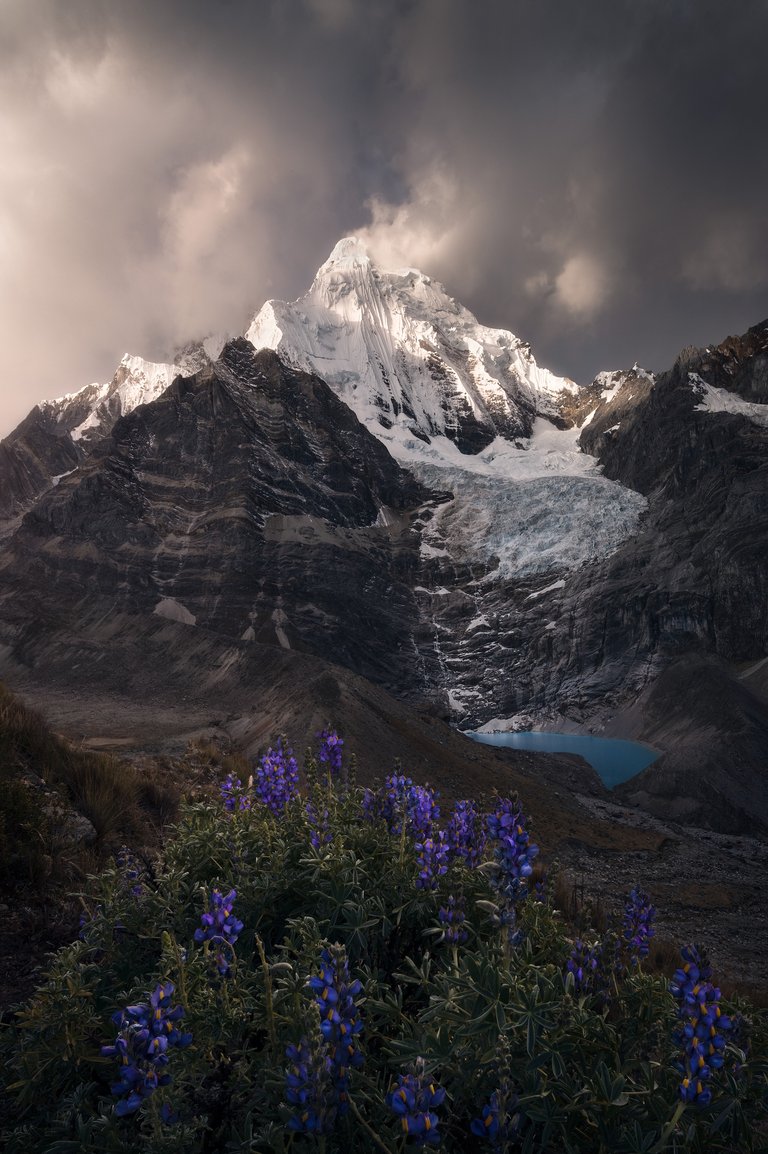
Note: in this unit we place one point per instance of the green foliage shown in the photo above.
(592, 1075)
(24, 833)
(39, 772)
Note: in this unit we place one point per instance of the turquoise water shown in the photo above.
(614, 761)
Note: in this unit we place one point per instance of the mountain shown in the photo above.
(56, 435)
(396, 490)
(408, 359)
(227, 503)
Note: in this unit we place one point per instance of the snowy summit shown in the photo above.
(465, 407)
(406, 357)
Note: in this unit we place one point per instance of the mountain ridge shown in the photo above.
(559, 576)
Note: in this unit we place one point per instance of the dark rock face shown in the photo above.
(57, 435)
(701, 564)
(35, 451)
(248, 504)
(246, 500)
(657, 635)
(715, 732)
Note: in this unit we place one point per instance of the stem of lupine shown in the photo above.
(662, 1142)
(372, 1133)
(267, 993)
(169, 941)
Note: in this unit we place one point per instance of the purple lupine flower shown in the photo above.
(414, 1100)
(638, 925)
(276, 779)
(702, 1036)
(498, 1123)
(584, 962)
(309, 1087)
(466, 836)
(145, 1034)
(317, 1082)
(330, 751)
(422, 810)
(452, 916)
(220, 930)
(513, 853)
(369, 805)
(513, 849)
(398, 800)
(432, 860)
(340, 1022)
(233, 795)
(392, 801)
(319, 826)
(131, 871)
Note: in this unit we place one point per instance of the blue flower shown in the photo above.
(220, 929)
(498, 1123)
(513, 850)
(466, 836)
(422, 810)
(330, 751)
(145, 1034)
(637, 931)
(276, 778)
(513, 854)
(309, 1087)
(452, 917)
(585, 963)
(317, 1082)
(398, 800)
(704, 1026)
(319, 826)
(233, 795)
(414, 1100)
(340, 1022)
(432, 860)
(131, 871)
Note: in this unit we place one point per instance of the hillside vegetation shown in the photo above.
(310, 965)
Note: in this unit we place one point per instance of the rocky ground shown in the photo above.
(708, 887)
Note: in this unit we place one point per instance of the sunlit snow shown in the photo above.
(714, 400)
(395, 345)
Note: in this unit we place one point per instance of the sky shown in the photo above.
(592, 175)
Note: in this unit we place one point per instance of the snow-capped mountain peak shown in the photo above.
(466, 407)
(408, 359)
(90, 413)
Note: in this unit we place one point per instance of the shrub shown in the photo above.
(353, 977)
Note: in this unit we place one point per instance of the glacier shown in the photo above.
(465, 407)
(414, 365)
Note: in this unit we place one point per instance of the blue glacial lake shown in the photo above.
(614, 761)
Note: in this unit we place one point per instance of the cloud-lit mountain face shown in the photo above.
(592, 181)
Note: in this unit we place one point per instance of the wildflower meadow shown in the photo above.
(309, 965)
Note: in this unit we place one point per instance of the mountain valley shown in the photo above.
(373, 481)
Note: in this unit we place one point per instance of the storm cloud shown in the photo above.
(593, 176)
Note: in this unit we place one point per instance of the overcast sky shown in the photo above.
(592, 174)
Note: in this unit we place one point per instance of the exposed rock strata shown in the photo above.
(247, 500)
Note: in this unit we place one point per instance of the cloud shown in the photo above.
(595, 183)
(726, 258)
(582, 286)
(419, 232)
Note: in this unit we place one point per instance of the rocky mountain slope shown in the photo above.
(246, 500)
(57, 435)
(442, 517)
